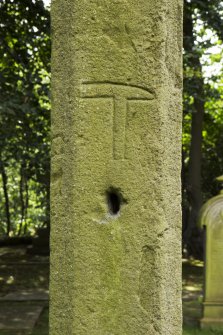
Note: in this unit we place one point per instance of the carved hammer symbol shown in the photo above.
(121, 95)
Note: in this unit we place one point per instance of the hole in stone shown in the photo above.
(114, 202)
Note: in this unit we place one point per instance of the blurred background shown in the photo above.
(25, 48)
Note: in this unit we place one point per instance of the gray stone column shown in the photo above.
(116, 147)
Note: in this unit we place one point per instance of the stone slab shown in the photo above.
(215, 324)
(31, 295)
(211, 218)
(19, 317)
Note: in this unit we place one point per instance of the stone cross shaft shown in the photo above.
(115, 167)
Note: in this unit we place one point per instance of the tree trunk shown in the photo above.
(22, 200)
(26, 204)
(5, 190)
(193, 187)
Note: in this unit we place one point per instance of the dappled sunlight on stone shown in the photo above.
(20, 270)
(10, 280)
(191, 288)
(192, 293)
(15, 316)
(23, 291)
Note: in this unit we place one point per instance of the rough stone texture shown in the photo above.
(211, 218)
(116, 136)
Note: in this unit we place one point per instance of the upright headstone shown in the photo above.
(116, 148)
(211, 219)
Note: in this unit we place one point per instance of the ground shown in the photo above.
(24, 280)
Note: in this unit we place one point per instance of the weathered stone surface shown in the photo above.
(211, 218)
(26, 295)
(116, 130)
(19, 317)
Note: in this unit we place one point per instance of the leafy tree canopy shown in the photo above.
(24, 97)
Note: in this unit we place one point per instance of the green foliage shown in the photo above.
(24, 113)
(207, 30)
(203, 118)
(25, 106)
